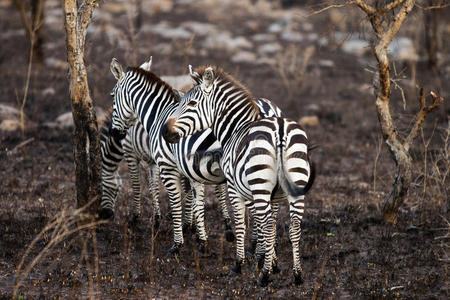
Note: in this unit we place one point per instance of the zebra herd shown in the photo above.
(216, 133)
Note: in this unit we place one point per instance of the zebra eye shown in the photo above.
(192, 103)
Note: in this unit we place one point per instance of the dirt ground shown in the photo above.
(347, 250)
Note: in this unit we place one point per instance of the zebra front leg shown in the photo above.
(296, 209)
(239, 220)
(154, 187)
(221, 194)
(198, 190)
(110, 185)
(135, 176)
(172, 182)
(188, 224)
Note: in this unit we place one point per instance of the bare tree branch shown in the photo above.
(329, 7)
(389, 7)
(369, 10)
(421, 115)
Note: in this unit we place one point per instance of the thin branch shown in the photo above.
(329, 7)
(420, 116)
(433, 6)
(389, 7)
(16, 148)
(369, 10)
(398, 21)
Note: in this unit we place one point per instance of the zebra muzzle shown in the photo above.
(117, 133)
(169, 135)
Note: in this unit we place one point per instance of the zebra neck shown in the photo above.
(233, 121)
(151, 103)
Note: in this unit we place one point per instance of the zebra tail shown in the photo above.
(288, 185)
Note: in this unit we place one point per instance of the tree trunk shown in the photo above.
(87, 151)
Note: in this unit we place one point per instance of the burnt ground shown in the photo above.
(347, 250)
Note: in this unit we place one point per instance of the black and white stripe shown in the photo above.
(263, 158)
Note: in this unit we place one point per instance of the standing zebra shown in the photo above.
(262, 157)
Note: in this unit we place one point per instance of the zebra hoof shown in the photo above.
(174, 251)
(275, 269)
(133, 221)
(202, 249)
(106, 213)
(260, 259)
(237, 268)
(156, 222)
(298, 278)
(229, 235)
(263, 279)
(251, 250)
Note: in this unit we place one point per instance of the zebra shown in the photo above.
(262, 158)
(141, 94)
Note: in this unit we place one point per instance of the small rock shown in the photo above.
(161, 48)
(10, 125)
(366, 88)
(363, 186)
(326, 63)
(312, 36)
(292, 36)
(64, 120)
(200, 29)
(12, 33)
(309, 121)
(269, 48)
(53, 62)
(163, 29)
(263, 37)
(355, 47)
(313, 108)
(48, 91)
(244, 56)
(8, 112)
(225, 41)
(307, 26)
(279, 25)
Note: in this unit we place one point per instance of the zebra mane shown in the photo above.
(153, 78)
(224, 76)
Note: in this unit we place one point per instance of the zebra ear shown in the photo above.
(116, 69)
(208, 78)
(194, 75)
(147, 65)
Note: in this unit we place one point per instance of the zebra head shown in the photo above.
(195, 110)
(123, 116)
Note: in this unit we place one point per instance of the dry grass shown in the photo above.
(68, 225)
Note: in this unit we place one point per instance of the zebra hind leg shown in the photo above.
(154, 187)
(172, 183)
(221, 194)
(296, 214)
